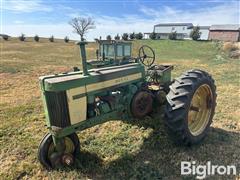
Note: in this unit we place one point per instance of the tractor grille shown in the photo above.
(58, 109)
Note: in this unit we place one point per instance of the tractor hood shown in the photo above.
(98, 79)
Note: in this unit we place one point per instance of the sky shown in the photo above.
(46, 18)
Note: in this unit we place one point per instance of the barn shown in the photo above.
(228, 32)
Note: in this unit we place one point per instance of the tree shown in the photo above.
(153, 35)
(139, 35)
(81, 26)
(195, 33)
(66, 39)
(22, 37)
(36, 38)
(132, 36)
(172, 36)
(158, 36)
(117, 37)
(109, 38)
(125, 36)
(51, 39)
(5, 37)
(96, 40)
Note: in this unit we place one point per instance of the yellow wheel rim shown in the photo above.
(200, 110)
(69, 147)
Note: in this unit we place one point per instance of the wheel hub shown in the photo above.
(67, 159)
(141, 104)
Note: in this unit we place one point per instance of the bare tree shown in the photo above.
(82, 25)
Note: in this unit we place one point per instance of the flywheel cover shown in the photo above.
(141, 104)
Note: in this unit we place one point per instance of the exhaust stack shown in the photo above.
(83, 55)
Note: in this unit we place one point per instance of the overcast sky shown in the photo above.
(51, 17)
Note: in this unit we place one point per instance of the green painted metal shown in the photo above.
(118, 48)
(44, 99)
(77, 80)
(109, 90)
(84, 59)
(112, 53)
(111, 116)
(163, 76)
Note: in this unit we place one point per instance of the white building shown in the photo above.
(183, 30)
(204, 30)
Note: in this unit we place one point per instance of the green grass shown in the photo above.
(170, 50)
(114, 150)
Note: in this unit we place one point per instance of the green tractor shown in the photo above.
(118, 86)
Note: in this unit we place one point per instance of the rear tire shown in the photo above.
(187, 123)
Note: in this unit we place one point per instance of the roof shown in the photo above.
(227, 27)
(174, 24)
(170, 33)
(2, 35)
(204, 27)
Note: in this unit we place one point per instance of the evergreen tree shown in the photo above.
(195, 33)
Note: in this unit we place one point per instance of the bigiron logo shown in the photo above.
(208, 169)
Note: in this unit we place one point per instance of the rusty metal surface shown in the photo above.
(67, 159)
(141, 104)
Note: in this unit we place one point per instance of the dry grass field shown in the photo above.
(114, 150)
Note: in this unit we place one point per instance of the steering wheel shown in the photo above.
(146, 55)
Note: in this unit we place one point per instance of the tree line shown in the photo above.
(126, 36)
(36, 38)
(82, 25)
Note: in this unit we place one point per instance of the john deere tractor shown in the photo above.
(118, 86)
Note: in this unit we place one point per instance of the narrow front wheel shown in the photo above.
(50, 158)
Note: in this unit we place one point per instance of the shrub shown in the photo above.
(229, 46)
(125, 36)
(195, 33)
(5, 37)
(51, 39)
(172, 36)
(234, 54)
(153, 35)
(96, 40)
(36, 38)
(139, 35)
(158, 36)
(22, 37)
(117, 37)
(132, 35)
(66, 39)
(109, 38)
(218, 44)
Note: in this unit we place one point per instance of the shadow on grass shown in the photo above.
(159, 158)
